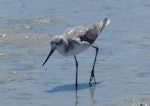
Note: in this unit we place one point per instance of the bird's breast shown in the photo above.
(74, 48)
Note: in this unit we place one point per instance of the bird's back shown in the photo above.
(87, 33)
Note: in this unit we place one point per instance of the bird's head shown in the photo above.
(56, 42)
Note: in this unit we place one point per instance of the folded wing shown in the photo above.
(87, 33)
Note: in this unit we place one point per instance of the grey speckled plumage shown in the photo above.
(87, 33)
(77, 39)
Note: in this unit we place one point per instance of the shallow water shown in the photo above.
(122, 67)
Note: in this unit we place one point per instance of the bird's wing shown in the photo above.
(86, 33)
(75, 32)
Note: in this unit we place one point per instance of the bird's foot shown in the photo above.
(76, 87)
(92, 77)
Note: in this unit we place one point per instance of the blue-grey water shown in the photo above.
(123, 64)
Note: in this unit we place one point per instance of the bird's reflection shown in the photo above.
(92, 92)
(76, 98)
(71, 87)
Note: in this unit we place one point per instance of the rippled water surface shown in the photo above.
(122, 67)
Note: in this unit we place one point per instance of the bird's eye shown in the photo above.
(56, 43)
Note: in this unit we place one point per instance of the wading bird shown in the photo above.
(75, 40)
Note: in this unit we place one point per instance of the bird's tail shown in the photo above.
(106, 21)
(102, 24)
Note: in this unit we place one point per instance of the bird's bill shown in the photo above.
(50, 53)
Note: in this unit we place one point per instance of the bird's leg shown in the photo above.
(76, 84)
(92, 72)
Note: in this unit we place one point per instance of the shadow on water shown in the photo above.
(71, 87)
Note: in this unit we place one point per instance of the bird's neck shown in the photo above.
(63, 48)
